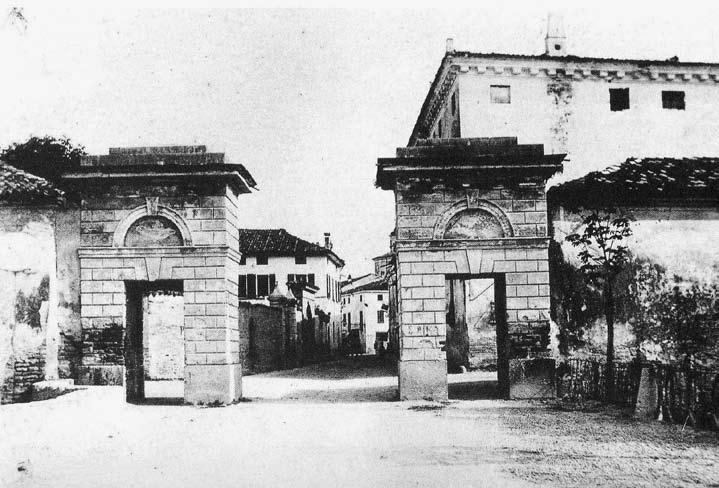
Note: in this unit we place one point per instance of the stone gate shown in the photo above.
(468, 208)
(155, 215)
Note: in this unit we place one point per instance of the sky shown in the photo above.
(306, 99)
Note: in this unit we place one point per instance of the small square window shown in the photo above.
(673, 100)
(300, 259)
(618, 99)
(499, 94)
(380, 298)
(262, 259)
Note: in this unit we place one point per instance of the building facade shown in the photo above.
(271, 256)
(600, 111)
(365, 307)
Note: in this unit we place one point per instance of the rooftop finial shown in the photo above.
(450, 46)
(556, 41)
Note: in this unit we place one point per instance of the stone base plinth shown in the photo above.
(532, 378)
(110, 374)
(422, 380)
(213, 383)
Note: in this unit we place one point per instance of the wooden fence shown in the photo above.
(683, 395)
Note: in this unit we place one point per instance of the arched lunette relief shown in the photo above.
(479, 220)
(152, 226)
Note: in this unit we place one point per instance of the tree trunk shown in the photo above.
(609, 314)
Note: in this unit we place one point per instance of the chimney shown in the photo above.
(328, 242)
(449, 49)
(555, 44)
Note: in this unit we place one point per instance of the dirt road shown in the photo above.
(286, 436)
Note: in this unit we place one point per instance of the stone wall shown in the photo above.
(207, 264)
(425, 260)
(265, 350)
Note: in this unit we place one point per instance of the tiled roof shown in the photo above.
(279, 242)
(376, 285)
(643, 182)
(17, 186)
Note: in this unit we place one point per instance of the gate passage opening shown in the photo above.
(154, 341)
(477, 361)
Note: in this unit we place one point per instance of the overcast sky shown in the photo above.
(305, 99)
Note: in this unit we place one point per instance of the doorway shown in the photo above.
(477, 337)
(154, 341)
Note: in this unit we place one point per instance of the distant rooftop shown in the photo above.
(279, 242)
(642, 182)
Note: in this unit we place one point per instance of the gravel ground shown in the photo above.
(305, 428)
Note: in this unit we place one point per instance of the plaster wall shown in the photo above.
(574, 116)
(369, 306)
(36, 242)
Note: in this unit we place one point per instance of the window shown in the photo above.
(439, 129)
(380, 316)
(454, 103)
(380, 297)
(255, 286)
(261, 259)
(360, 298)
(673, 100)
(499, 94)
(618, 99)
(302, 278)
(361, 321)
(243, 260)
(300, 259)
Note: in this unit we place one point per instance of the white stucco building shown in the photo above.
(365, 307)
(600, 111)
(272, 256)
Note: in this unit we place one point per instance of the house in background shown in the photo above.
(600, 111)
(271, 256)
(365, 308)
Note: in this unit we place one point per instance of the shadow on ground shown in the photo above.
(349, 380)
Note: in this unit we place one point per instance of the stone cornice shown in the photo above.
(165, 252)
(438, 244)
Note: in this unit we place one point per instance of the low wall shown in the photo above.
(263, 346)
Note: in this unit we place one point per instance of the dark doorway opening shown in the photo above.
(154, 341)
(477, 337)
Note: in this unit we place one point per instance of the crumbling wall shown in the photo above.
(27, 278)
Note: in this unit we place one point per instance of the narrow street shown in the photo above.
(298, 428)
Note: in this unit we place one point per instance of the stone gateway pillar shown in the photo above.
(465, 209)
(157, 217)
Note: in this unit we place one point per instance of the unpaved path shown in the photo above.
(91, 438)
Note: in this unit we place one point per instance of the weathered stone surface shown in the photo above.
(207, 384)
(423, 380)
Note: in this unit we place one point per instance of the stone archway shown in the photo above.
(154, 214)
(472, 219)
